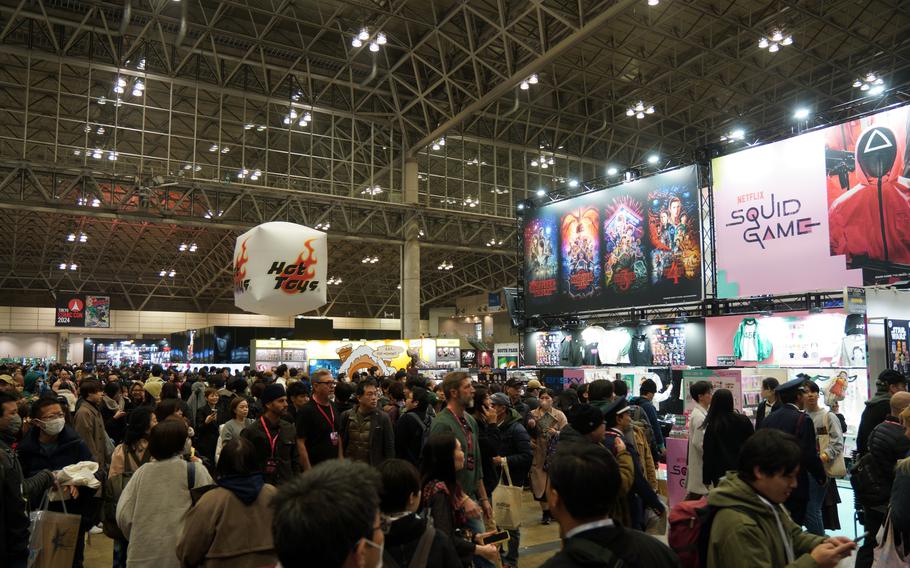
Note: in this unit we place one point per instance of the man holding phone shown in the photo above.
(750, 507)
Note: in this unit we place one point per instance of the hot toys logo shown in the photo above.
(771, 221)
(241, 283)
(297, 277)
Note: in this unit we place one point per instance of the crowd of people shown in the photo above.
(253, 469)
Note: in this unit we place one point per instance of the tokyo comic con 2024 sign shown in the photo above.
(280, 269)
(638, 243)
(821, 211)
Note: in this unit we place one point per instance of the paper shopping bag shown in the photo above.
(52, 542)
(507, 503)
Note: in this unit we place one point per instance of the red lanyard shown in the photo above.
(272, 441)
(326, 416)
(468, 437)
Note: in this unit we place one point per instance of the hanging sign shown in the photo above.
(280, 269)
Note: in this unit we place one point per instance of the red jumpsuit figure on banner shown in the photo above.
(872, 220)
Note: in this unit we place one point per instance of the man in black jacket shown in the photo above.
(888, 384)
(13, 517)
(515, 452)
(366, 431)
(583, 482)
(274, 439)
(887, 443)
(791, 419)
(769, 402)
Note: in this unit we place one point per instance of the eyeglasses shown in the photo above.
(385, 524)
(325, 382)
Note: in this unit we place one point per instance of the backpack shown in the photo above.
(868, 486)
(640, 419)
(113, 488)
(421, 554)
(424, 428)
(690, 531)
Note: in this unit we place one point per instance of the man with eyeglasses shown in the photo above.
(329, 517)
(319, 424)
(52, 445)
(366, 430)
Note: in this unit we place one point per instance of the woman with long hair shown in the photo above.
(544, 424)
(443, 497)
(725, 433)
(129, 456)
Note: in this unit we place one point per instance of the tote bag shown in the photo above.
(888, 554)
(52, 542)
(837, 468)
(507, 502)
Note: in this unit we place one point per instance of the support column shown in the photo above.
(410, 260)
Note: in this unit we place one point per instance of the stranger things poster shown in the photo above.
(819, 211)
(635, 244)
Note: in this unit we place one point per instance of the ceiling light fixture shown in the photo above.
(573, 183)
(640, 109)
(653, 159)
(801, 113)
(774, 40)
(612, 171)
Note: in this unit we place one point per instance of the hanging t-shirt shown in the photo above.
(749, 344)
(853, 351)
(613, 349)
(640, 351)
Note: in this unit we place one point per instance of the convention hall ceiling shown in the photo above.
(149, 124)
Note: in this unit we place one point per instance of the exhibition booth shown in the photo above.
(748, 272)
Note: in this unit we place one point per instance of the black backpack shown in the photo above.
(869, 484)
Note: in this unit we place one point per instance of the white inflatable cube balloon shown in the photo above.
(280, 269)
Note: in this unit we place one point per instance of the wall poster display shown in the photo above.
(668, 344)
(832, 212)
(896, 332)
(80, 310)
(635, 244)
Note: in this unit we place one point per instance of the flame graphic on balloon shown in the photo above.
(293, 283)
(240, 266)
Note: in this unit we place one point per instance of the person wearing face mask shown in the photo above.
(53, 445)
(544, 424)
(13, 517)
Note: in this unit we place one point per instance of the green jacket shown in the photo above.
(748, 535)
(445, 421)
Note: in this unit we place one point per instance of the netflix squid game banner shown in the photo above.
(820, 211)
(280, 269)
(638, 243)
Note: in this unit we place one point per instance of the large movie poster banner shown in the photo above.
(635, 244)
(820, 211)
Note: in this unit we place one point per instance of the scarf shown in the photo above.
(111, 404)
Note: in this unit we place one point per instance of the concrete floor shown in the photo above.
(538, 542)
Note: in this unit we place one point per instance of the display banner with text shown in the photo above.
(820, 211)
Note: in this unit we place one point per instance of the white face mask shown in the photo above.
(52, 427)
(381, 548)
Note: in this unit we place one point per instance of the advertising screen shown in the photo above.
(635, 244)
(821, 211)
(896, 332)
